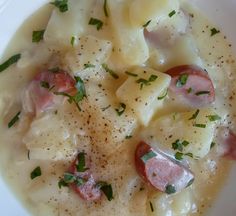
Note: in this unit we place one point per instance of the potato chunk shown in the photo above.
(131, 46)
(141, 93)
(62, 26)
(198, 131)
(141, 11)
(89, 53)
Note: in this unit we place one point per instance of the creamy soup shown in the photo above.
(117, 107)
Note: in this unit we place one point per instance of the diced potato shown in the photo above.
(130, 44)
(143, 98)
(198, 132)
(176, 205)
(182, 52)
(141, 11)
(62, 26)
(90, 50)
(49, 139)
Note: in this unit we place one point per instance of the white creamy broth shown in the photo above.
(112, 121)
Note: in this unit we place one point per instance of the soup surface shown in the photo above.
(121, 107)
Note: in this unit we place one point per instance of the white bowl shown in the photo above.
(221, 13)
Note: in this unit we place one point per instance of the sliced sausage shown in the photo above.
(193, 84)
(161, 171)
(227, 143)
(88, 189)
(39, 96)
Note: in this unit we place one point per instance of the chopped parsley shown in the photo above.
(71, 98)
(62, 183)
(131, 74)
(214, 117)
(14, 120)
(179, 155)
(128, 137)
(202, 93)
(151, 206)
(182, 80)
(214, 31)
(37, 36)
(88, 65)
(199, 125)
(190, 182)
(69, 178)
(72, 41)
(12, 60)
(178, 145)
(105, 108)
(79, 96)
(194, 116)
(172, 13)
(80, 166)
(96, 22)
(170, 189)
(36, 173)
(106, 189)
(62, 5)
(148, 156)
(163, 95)
(105, 8)
(189, 90)
(147, 23)
(144, 82)
(44, 84)
(121, 109)
(212, 145)
(111, 72)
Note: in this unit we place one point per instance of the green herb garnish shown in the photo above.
(105, 108)
(179, 155)
(105, 8)
(144, 82)
(72, 41)
(44, 84)
(36, 173)
(182, 80)
(151, 206)
(128, 137)
(163, 95)
(111, 72)
(71, 98)
(199, 125)
(37, 36)
(81, 162)
(106, 189)
(202, 93)
(194, 116)
(214, 31)
(190, 182)
(172, 13)
(148, 156)
(170, 189)
(131, 74)
(212, 145)
(121, 109)
(88, 65)
(213, 117)
(81, 94)
(62, 183)
(14, 120)
(96, 22)
(147, 23)
(178, 145)
(62, 5)
(69, 178)
(12, 60)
